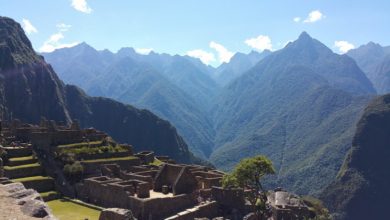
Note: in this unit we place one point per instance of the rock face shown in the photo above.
(22, 203)
(116, 214)
(361, 190)
(30, 89)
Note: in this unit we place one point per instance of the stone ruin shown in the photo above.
(48, 133)
(168, 191)
(286, 205)
(153, 192)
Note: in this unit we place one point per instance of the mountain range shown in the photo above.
(298, 105)
(30, 89)
(374, 60)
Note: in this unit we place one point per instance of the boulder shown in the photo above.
(116, 214)
(35, 208)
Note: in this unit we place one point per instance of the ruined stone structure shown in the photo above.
(125, 183)
(48, 133)
(152, 192)
(286, 205)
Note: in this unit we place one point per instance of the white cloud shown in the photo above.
(63, 27)
(81, 5)
(314, 16)
(261, 43)
(54, 43)
(143, 51)
(204, 56)
(297, 19)
(343, 46)
(224, 55)
(28, 27)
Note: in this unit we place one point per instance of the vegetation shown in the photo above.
(66, 209)
(156, 162)
(286, 109)
(32, 178)
(93, 150)
(248, 175)
(21, 158)
(46, 194)
(74, 171)
(110, 159)
(83, 144)
(315, 205)
(361, 190)
(22, 166)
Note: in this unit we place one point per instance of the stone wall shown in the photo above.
(185, 183)
(85, 156)
(229, 199)
(43, 185)
(207, 210)
(21, 172)
(160, 208)
(94, 168)
(146, 156)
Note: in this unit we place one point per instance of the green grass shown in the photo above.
(46, 194)
(92, 150)
(22, 166)
(65, 210)
(79, 144)
(31, 178)
(156, 162)
(110, 159)
(21, 158)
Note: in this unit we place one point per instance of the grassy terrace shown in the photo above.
(21, 158)
(22, 166)
(76, 145)
(31, 178)
(110, 159)
(93, 150)
(46, 194)
(156, 162)
(65, 209)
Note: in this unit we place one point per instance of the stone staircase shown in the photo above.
(23, 167)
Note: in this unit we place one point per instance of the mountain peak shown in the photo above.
(305, 36)
(15, 47)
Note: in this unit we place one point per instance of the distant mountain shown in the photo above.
(361, 190)
(30, 89)
(239, 64)
(374, 60)
(173, 87)
(298, 106)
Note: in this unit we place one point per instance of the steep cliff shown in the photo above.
(361, 190)
(30, 89)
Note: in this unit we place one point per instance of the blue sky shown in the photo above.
(212, 30)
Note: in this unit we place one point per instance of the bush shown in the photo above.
(74, 171)
(317, 207)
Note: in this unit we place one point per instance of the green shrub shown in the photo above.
(74, 171)
(317, 207)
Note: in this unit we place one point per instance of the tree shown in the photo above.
(247, 175)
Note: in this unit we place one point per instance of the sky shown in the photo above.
(211, 30)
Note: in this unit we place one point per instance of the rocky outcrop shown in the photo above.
(30, 89)
(22, 203)
(361, 190)
(116, 214)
